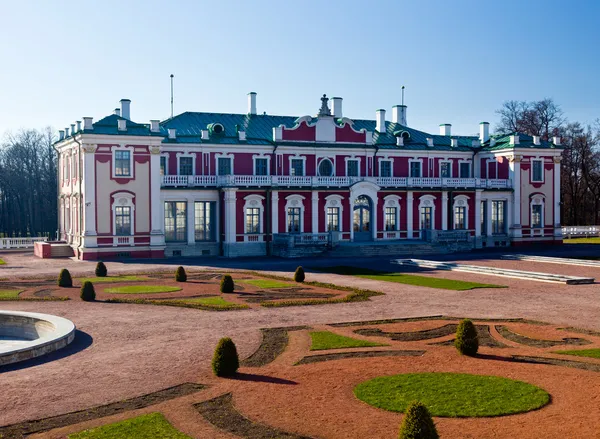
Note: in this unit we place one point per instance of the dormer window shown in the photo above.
(216, 128)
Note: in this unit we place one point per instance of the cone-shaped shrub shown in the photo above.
(417, 423)
(225, 361)
(227, 285)
(88, 294)
(180, 275)
(101, 270)
(299, 274)
(467, 341)
(64, 279)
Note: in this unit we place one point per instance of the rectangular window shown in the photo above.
(123, 163)
(297, 167)
(122, 220)
(252, 220)
(163, 166)
(445, 170)
(483, 215)
(224, 166)
(260, 167)
(67, 167)
(537, 174)
(390, 219)
(175, 221)
(352, 170)
(464, 170)
(459, 218)
(293, 220)
(385, 168)
(415, 169)
(204, 221)
(536, 216)
(426, 218)
(186, 166)
(498, 217)
(333, 219)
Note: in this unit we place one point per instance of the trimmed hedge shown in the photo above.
(64, 279)
(225, 362)
(417, 423)
(180, 274)
(299, 275)
(88, 294)
(227, 285)
(467, 340)
(101, 270)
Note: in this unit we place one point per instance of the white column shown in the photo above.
(489, 217)
(409, 214)
(315, 211)
(88, 188)
(157, 213)
(374, 219)
(230, 212)
(191, 238)
(556, 200)
(351, 210)
(275, 212)
(477, 214)
(515, 175)
(444, 210)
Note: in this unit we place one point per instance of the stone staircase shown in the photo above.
(408, 248)
(61, 250)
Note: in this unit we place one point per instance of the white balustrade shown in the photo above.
(391, 181)
(10, 243)
(122, 240)
(497, 183)
(391, 234)
(424, 182)
(458, 182)
(203, 180)
(252, 237)
(578, 231)
(287, 180)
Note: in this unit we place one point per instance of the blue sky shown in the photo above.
(459, 60)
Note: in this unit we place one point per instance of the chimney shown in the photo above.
(380, 121)
(125, 109)
(117, 111)
(399, 141)
(252, 102)
(72, 129)
(514, 140)
(556, 140)
(336, 107)
(172, 133)
(536, 140)
(430, 142)
(61, 134)
(205, 135)
(484, 132)
(399, 114)
(122, 125)
(87, 123)
(78, 125)
(454, 143)
(445, 129)
(154, 126)
(242, 136)
(66, 132)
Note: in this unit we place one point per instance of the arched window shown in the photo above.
(325, 168)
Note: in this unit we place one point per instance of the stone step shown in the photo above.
(552, 260)
(61, 251)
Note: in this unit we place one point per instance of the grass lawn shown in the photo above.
(595, 240)
(409, 279)
(590, 353)
(453, 395)
(107, 279)
(214, 302)
(322, 340)
(142, 289)
(2, 261)
(151, 426)
(267, 283)
(9, 294)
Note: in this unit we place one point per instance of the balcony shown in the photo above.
(284, 181)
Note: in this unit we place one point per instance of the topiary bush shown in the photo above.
(225, 362)
(64, 279)
(88, 294)
(299, 275)
(227, 285)
(180, 275)
(467, 341)
(101, 270)
(417, 423)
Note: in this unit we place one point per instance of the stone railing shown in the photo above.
(328, 182)
(579, 231)
(450, 235)
(10, 243)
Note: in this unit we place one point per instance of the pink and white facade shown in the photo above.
(253, 184)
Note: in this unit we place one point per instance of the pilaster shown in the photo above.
(409, 214)
(444, 210)
(88, 188)
(191, 237)
(515, 175)
(275, 212)
(315, 211)
(556, 198)
(230, 214)
(157, 227)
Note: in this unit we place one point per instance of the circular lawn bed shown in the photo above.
(452, 394)
(142, 289)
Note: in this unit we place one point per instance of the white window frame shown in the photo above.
(255, 201)
(386, 159)
(131, 161)
(334, 201)
(294, 201)
(427, 201)
(537, 200)
(225, 155)
(260, 156)
(298, 157)
(461, 201)
(541, 161)
(166, 156)
(468, 162)
(440, 167)
(487, 168)
(392, 201)
(347, 160)
(186, 154)
(124, 199)
(330, 160)
(420, 162)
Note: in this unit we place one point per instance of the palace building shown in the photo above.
(253, 184)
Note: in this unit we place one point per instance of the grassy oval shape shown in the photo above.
(142, 289)
(453, 395)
